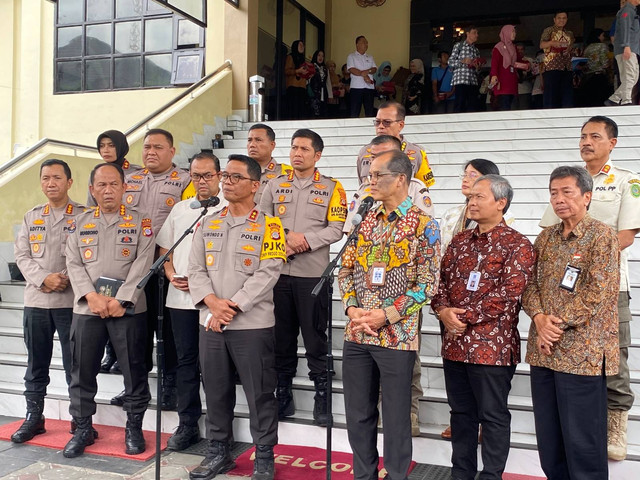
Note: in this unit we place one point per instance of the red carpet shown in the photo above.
(517, 476)
(110, 441)
(294, 462)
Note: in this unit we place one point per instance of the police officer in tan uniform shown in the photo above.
(156, 189)
(260, 145)
(312, 208)
(616, 202)
(48, 298)
(390, 121)
(111, 248)
(236, 258)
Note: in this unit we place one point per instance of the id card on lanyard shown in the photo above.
(474, 277)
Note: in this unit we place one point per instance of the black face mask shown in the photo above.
(119, 141)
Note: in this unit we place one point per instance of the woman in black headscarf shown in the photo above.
(320, 86)
(112, 147)
(296, 74)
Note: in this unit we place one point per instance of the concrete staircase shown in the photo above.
(526, 145)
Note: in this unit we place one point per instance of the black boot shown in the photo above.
(184, 437)
(118, 400)
(116, 368)
(133, 437)
(169, 392)
(81, 439)
(263, 468)
(109, 358)
(284, 394)
(34, 422)
(73, 427)
(218, 460)
(320, 412)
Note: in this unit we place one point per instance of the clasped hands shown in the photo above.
(296, 243)
(548, 332)
(454, 328)
(55, 282)
(366, 321)
(222, 312)
(104, 306)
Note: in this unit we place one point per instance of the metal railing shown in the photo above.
(48, 141)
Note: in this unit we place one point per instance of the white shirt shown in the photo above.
(361, 62)
(179, 219)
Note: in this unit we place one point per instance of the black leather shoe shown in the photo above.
(118, 400)
(320, 413)
(81, 439)
(133, 438)
(218, 460)
(284, 394)
(33, 425)
(116, 368)
(74, 426)
(184, 437)
(109, 358)
(263, 468)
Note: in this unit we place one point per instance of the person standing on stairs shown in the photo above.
(108, 253)
(387, 276)
(616, 202)
(48, 298)
(312, 208)
(260, 145)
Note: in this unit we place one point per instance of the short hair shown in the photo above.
(485, 167)
(253, 167)
(316, 140)
(160, 131)
(206, 156)
(442, 52)
(610, 126)
(359, 37)
(582, 177)
(558, 12)
(106, 164)
(500, 187)
(471, 27)
(401, 112)
(382, 139)
(261, 126)
(399, 163)
(57, 161)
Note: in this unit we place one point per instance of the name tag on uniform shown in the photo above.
(570, 278)
(474, 281)
(377, 274)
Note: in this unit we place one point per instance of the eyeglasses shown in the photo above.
(469, 175)
(234, 177)
(386, 123)
(377, 175)
(196, 177)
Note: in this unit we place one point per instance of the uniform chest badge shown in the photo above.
(35, 247)
(610, 179)
(146, 231)
(125, 252)
(319, 186)
(352, 205)
(318, 200)
(635, 190)
(137, 177)
(89, 225)
(271, 175)
(282, 209)
(129, 199)
(127, 225)
(209, 245)
(285, 185)
(174, 174)
(253, 227)
(248, 262)
(87, 241)
(275, 231)
(88, 254)
(249, 248)
(170, 202)
(126, 239)
(38, 221)
(282, 198)
(209, 260)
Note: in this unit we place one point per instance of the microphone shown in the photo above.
(209, 202)
(365, 206)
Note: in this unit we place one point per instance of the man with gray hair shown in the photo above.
(482, 278)
(573, 339)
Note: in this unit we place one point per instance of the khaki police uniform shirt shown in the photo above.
(121, 248)
(418, 193)
(40, 251)
(240, 259)
(615, 202)
(417, 156)
(271, 171)
(316, 207)
(156, 194)
(127, 168)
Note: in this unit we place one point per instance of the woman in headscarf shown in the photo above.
(320, 86)
(385, 89)
(414, 88)
(113, 147)
(296, 71)
(504, 77)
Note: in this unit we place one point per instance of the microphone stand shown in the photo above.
(156, 269)
(328, 278)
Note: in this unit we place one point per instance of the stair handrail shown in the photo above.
(170, 103)
(49, 141)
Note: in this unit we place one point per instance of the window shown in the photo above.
(121, 44)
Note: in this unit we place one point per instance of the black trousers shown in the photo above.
(296, 102)
(89, 335)
(251, 353)
(170, 356)
(39, 326)
(466, 98)
(477, 395)
(186, 332)
(361, 97)
(365, 369)
(558, 89)
(571, 424)
(296, 310)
